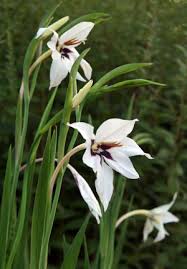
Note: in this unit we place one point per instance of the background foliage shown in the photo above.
(139, 31)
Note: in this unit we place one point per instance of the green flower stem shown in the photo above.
(131, 214)
(63, 161)
(39, 60)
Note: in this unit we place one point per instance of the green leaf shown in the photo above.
(121, 241)
(65, 245)
(18, 124)
(21, 220)
(123, 69)
(54, 120)
(5, 210)
(86, 256)
(130, 107)
(144, 138)
(48, 17)
(71, 257)
(125, 84)
(20, 248)
(42, 123)
(42, 201)
(46, 112)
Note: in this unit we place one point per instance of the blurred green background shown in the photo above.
(139, 31)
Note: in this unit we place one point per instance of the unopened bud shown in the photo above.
(44, 32)
(79, 97)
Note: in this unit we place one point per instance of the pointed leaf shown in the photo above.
(5, 210)
(123, 69)
(70, 259)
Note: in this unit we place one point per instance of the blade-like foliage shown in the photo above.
(70, 259)
(42, 201)
(123, 69)
(122, 85)
(5, 210)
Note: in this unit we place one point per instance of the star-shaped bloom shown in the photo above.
(64, 53)
(107, 150)
(158, 217)
(87, 194)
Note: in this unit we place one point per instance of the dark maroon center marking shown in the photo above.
(65, 52)
(102, 148)
(73, 41)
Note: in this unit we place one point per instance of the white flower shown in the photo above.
(87, 194)
(109, 149)
(64, 53)
(158, 217)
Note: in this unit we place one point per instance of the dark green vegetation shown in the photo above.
(139, 31)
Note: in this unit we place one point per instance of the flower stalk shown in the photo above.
(143, 212)
(63, 161)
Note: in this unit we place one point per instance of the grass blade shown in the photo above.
(5, 210)
(42, 200)
(70, 260)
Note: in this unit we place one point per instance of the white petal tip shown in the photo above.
(177, 219)
(148, 156)
(134, 177)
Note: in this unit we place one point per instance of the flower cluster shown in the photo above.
(110, 148)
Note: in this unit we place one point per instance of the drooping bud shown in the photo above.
(79, 97)
(44, 32)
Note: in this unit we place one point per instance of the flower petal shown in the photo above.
(87, 194)
(121, 163)
(53, 42)
(168, 217)
(148, 228)
(104, 184)
(86, 67)
(85, 129)
(161, 232)
(114, 130)
(166, 207)
(70, 61)
(77, 34)
(89, 159)
(131, 148)
(58, 71)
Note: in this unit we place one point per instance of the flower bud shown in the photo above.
(79, 97)
(44, 32)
